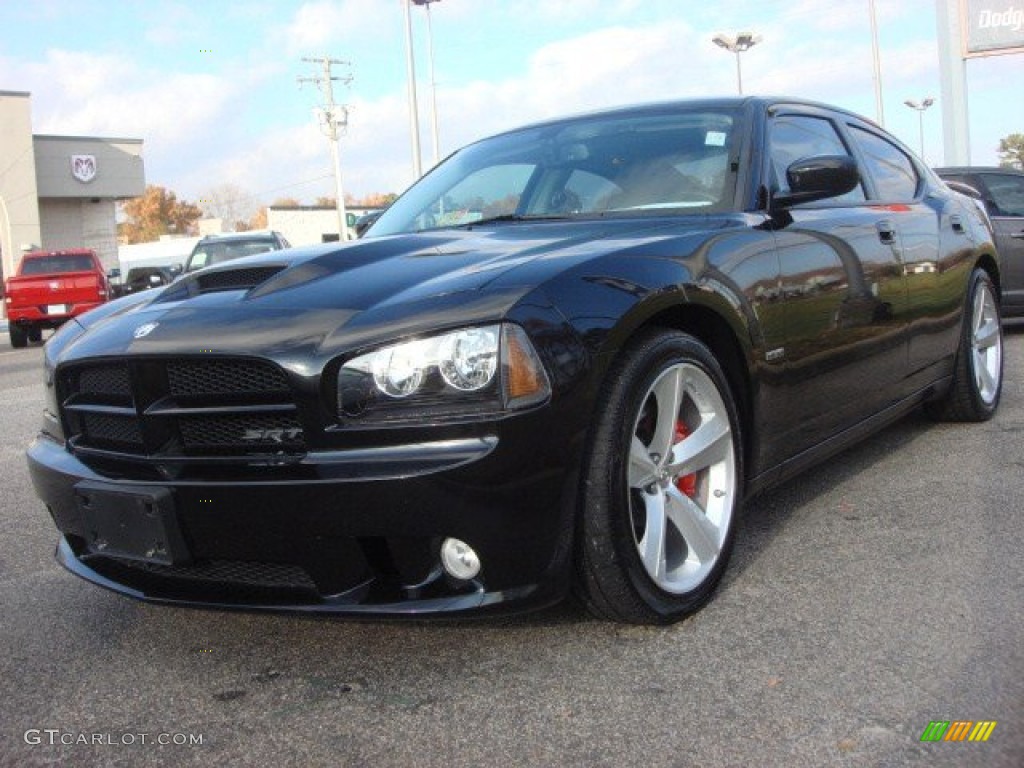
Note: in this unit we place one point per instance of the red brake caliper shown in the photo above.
(687, 483)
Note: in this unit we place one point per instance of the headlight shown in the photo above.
(468, 372)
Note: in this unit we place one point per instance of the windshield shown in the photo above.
(215, 252)
(587, 166)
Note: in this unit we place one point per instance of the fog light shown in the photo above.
(459, 559)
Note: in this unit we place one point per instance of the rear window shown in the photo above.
(43, 265)
(207, 254)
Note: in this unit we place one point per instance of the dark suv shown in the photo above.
(1002, 191)
(214, 249)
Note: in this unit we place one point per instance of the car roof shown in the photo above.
(728, 102)
(253, 235)
(64, 252)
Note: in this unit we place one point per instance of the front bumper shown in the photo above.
(356, 532)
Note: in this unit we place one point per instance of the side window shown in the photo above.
(795, 137)
(893, 172)
(491, 191)
(1007, 192)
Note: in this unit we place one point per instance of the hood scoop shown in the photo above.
(239, 279)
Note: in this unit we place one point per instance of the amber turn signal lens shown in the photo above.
(525, 380)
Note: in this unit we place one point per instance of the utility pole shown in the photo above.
(332, 117)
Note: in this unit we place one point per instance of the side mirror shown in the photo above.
(818, 178)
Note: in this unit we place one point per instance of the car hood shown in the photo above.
(317, 300)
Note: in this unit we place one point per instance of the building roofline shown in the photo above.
(54, 137)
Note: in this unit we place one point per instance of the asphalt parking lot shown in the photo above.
(865, 599)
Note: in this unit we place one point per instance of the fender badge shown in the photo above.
(144, 330)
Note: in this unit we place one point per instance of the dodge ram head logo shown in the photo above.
(272, 435)
(83, 167)
(144, 330)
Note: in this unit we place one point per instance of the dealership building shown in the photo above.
(60, 192)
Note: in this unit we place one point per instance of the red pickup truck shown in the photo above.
(51, 287)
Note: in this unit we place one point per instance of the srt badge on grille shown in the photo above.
(272, 435)
(144, 330)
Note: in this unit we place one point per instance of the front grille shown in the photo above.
(182, 408)
(106, 380)
(244, 431)
(224, 580)
(218, 377)
(101, 428)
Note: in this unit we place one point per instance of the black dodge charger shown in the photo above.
(560, 361)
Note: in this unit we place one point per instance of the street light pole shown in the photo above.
(414, 115)
(433, 79)
(920, 108)
(876, 65)
(743, 41)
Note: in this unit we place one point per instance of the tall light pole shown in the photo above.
(414, 114)
(743, 41)
(433, 80)
(920, 107)
(332, 117)
(876, 65)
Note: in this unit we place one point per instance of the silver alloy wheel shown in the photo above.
(986, 344)
(680, 533)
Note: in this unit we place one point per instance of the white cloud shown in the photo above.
(82, 93)
(317, 26)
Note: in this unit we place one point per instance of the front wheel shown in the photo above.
(978, 373)
(662, 483)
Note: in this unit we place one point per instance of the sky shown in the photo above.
(212, 87)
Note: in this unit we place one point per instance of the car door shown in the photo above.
(931, 237)
(1004, 194)
(844, 293)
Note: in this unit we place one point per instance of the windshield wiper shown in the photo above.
(512, 217)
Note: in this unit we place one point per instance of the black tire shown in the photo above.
(35, 333)
(19, 336)
(977, 382)
(612, 579)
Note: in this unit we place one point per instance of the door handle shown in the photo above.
(886, 231)
(1018, 235)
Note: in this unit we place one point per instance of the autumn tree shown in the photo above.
(1011, 151)
(157, 212)
(378, 200)
(259, 219)
(228, 202)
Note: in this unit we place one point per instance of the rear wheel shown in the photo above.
(978, 374)
(19, 336)
(662, 484)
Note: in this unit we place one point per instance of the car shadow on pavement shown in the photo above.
(766, 516)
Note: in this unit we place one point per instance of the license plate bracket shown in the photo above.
(137, 524)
